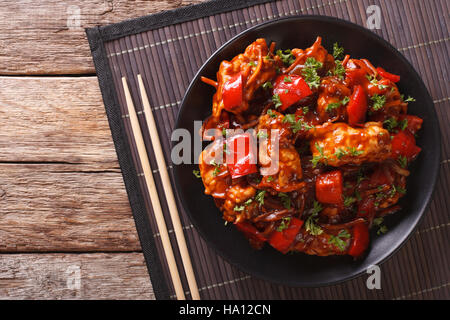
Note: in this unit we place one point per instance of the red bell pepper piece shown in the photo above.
(290, 89)
(282, 240)
(356, 76)
(360, 240)
(232, 92)
(329, 187)
(357, 106)
(241, 155)
(414, 122)
(404, 144)
(390, 76)
(250, 231)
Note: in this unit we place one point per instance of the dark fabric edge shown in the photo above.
(170, 17)
(129, 173)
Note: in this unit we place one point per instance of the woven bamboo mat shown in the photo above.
(168, 56)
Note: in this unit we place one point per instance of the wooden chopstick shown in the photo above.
(147, 170)
(154, 136)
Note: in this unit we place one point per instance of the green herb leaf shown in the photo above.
(378, 101)
(284, 224)
(338, 240)
(348, 201)
(340, 152)
(276, 100)
(287, 79)
(287, 57)
(196, 173)
(267, 85)
(321, 156)
(409, 99)
(403, 161)
(390, 124)
(260, 197)
(354, 152)
(262, 135)
(311, 221)
(285, 200)
(271, 113)
(338, 52)
(309, 72)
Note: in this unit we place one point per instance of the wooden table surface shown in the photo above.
(64, 212)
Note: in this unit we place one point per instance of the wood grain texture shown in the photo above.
(53, 276)
(45, 37)
(54, 119)
(60, 208)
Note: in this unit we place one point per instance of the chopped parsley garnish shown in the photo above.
(284, 224)
(403, 161)
(409, 99)
(305, 110)
(373, 80)
(267, 85)
(338, 71)
(260, 197)
(268, 57)
(296, 125)
(378, 222)
(382, 230)
(309, 72)
(340, 152)
(269, 179)
(378, 101)
(217, 167)
(348, 201)
(335, 105)
(285, 200)
(253, 63)
(321, 156)
(271, 113)
(403, 124)
(390, 124)
(338, 52)
(287, 79)
(196, 173)
(354, 152)
(242, 207)
(311, 222)
(286, 56)
(338, 240)
(276, 100)
(262, 134)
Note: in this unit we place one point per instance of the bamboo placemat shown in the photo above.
(168, 48)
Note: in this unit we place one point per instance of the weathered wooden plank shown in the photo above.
(47, 36)
(60, 208)
(54, 119)
(55, 276)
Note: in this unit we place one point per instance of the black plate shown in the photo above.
(300, 269)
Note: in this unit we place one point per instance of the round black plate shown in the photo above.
(300, 269)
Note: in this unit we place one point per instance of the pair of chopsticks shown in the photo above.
(150, 182)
